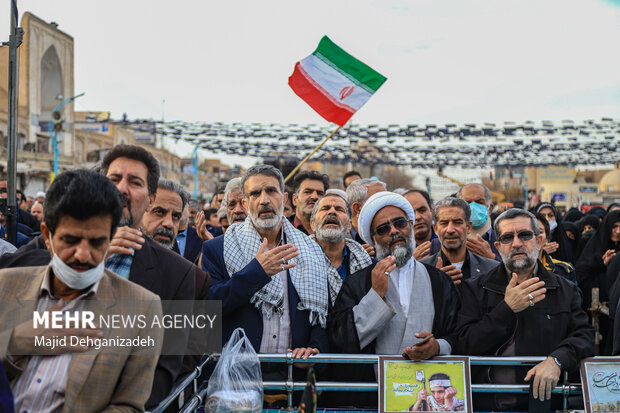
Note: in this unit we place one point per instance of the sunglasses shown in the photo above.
(509, 237)
(384, 229)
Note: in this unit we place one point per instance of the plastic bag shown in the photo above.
(236, 384)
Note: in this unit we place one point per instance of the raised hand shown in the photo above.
(125, 241)
(276, 259)
(381, 275)
(422, 250)
(519, 296)
(455, 273)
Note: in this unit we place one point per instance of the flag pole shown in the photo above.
(294, 171)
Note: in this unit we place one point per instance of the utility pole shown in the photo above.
(15, 40)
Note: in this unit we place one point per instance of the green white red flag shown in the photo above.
(334, 83)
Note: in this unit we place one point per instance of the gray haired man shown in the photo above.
(330, 221)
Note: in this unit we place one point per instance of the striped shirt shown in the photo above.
(41, 386)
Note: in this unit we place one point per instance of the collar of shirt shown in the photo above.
(46, 287)
(299, 225)
(183, 233)
(403, 278)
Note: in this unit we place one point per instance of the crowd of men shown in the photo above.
(314, 270)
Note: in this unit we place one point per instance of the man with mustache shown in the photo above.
(521, 309)
(161, 221)
(420, 201)
(330, 222)
(452, 226)
(270, 277)
(310, 186)
(135, 173)
(390, 306)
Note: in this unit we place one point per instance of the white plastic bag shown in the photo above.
(236, 384)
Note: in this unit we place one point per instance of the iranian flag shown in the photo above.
(334, 83)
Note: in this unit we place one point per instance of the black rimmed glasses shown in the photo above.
(384, 229)
(509, 237)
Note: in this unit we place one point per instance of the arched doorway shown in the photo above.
(51, 83)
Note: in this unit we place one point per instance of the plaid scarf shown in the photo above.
(241, 243)
(358, 259)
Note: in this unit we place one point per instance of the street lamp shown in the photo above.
(55, 126)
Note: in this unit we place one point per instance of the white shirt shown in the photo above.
(403, 278)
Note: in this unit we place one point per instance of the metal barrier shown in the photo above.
(289, 386)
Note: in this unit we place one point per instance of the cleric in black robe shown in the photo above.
(387, 313)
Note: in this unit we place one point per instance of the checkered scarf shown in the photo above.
(241, 243)
(358, 259)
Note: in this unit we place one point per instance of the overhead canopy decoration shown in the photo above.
(418, 146)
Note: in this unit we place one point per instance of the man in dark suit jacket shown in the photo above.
(241, 285)
(452, 226)
(192, 244)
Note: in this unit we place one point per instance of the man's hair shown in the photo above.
(515, 213)
(358, 190)
(215, 195)
(232, 186)
(439, 376)
(541, 218)
(452, 202)
(192, 203)
(266, 170)
(331, 194)
(82, 194)
(174, 187)
(314, 175)
(422, 192)
(222, 213)
(209, 212)
(136, 153)
(487, 193)
(348, 174)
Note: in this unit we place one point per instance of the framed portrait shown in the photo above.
(600, 381)
(439, 384)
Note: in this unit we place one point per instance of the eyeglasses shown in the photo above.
(509, 237)
(384, 229)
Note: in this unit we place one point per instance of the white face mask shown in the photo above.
(552, 225)
(75, 279)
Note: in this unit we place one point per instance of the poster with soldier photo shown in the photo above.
(436, 385)
(600, 379)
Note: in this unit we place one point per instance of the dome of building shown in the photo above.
(610, 182)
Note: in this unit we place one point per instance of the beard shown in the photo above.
(452, 247)
(127, 221)
(520, 264)
(402, 253)
(267, 223)
(167, 232)
(330, 234)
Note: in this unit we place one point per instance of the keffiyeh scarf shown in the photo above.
(241, 243)
(358, 259)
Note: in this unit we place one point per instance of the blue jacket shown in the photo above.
(237, 311)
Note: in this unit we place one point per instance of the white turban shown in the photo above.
(374, 204)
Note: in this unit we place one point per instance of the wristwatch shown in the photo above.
(557, 362)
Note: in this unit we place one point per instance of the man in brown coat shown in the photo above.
(82, 373)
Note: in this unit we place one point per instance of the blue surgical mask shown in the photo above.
(479, 215)
(552, 225)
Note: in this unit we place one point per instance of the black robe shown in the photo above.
(343, 333)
